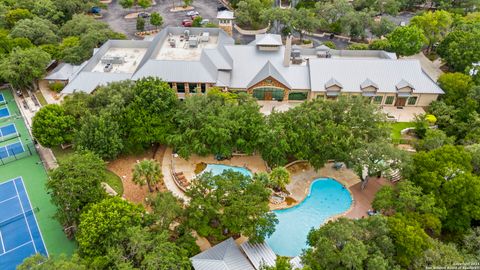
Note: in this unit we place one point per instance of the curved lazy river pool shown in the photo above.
(327, 198)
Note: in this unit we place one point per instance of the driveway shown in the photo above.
(115, 14)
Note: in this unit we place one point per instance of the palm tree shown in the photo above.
(147, 172)
(279, 178)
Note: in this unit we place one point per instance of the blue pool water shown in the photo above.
(217, 169)
(327, 198)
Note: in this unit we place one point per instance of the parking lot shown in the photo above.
(115, 15)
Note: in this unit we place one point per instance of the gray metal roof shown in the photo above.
(259, 254)
(89, 81)
(332, 82)
(368, 83)
(225, 14)
(176, 71)
(296, 263)
(62, 72)
(384, 72)
(268, 40)
(268, 71)
(248, 61)
(403, 83)
(224, 256)
(218, 59)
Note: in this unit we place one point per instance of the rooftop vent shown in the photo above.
(113, 60)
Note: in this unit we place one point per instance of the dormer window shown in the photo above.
(369, 88)
(404, 88)
(333, 87)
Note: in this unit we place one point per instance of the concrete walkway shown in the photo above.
(48, 159)
(50, 96)
(168, 178)
(432, 69)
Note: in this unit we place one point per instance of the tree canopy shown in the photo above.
(217, 124)
(103, 223)
(22, 67)
(51, 126)
(229, 204)
(406, 40)
(75, 184)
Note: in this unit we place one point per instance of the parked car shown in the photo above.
(187, 23)
(222, 8)
(143, 15)
(193, 17)
(95, 10)
(191, 13)
(204, 21)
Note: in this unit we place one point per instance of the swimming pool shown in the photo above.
(217, 169)
(327, 198)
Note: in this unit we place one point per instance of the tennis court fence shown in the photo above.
(15, 155)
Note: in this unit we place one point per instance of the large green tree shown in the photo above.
(435, 25)
(100, 134)
(446, 172)
(144, 249)
(217, 123)
(104, 223)
(51, 126)
(150, 114)
(75, 184)
(147, 172)
(409, 200)
(406, 40)
(37, 30)
(320, 130)
(61, 262)
(229, 204)
(23, 67)
(248, 12)
(166, 209)
(460, 48)
(351, 244)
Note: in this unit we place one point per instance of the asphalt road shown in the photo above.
(115, 14)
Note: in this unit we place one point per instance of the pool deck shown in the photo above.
(303, 175)
(254, 163)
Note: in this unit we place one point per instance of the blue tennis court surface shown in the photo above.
(4, 112)
(11, 149)
(2, 98)
(8, 130)
(20, 236)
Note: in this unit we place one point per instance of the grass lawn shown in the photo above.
(115, 182)
(41, 98)
(112, 179)
(399, 126)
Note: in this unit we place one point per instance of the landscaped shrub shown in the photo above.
(357, 46)
(330, 44)
(56, 86)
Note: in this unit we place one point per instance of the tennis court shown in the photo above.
(20, 236)
(4, 112)
(11, 149)
(2, 98)
(8, 131)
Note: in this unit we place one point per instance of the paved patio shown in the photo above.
(266, 107)
(303, 175)
(407, 114)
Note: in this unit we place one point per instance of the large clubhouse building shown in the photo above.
(192, 60)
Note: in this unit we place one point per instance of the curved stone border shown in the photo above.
(251, 32)
(295, 162)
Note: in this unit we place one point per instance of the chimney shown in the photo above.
(288, 51)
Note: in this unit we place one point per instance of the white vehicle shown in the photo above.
(192, 13)
(204, 21)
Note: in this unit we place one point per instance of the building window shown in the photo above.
(203, 88)
(377, 100)
(412, 101)
(297, 96)
(389, 100)
(180, 87)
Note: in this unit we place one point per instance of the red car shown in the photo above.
(187, 23)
